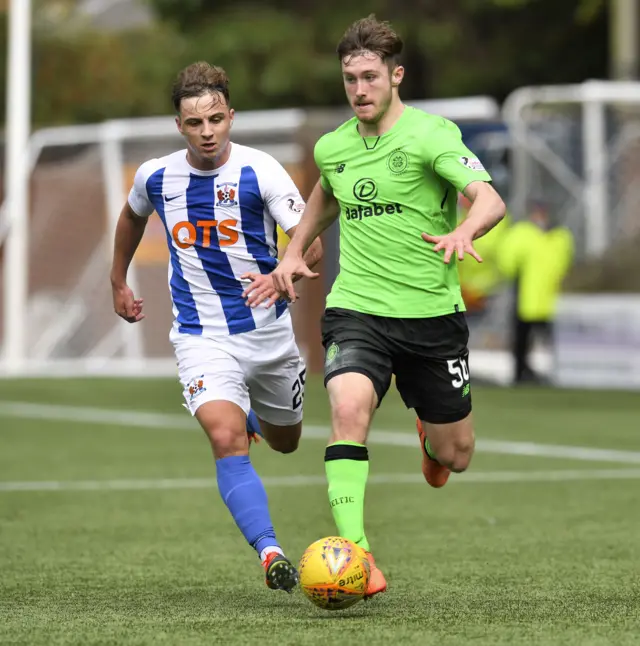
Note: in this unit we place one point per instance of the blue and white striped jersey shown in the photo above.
(220, 224)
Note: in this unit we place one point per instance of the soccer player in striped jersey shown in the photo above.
(240, 367)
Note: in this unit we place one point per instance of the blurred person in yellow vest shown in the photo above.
(536, 254)
(283, 241)
(479, 280)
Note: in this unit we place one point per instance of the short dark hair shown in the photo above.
(370, 34)
(198, 79)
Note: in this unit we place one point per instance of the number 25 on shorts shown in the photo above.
(298, 390)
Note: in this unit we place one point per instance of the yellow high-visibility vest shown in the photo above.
(480, 279)
(538, 260)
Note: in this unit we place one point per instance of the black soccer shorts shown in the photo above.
(428, 356)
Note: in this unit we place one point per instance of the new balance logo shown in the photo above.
(168, 198)
(339, 168)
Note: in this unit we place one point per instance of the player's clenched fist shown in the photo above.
(125, 305)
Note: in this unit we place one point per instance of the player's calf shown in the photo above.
(241, 489)
(284, 439)
(456, 459)
(451, 445)
(455, 455)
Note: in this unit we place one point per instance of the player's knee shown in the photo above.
(226, 441)
(349, 416)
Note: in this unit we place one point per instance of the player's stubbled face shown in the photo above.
(205, 122)
(367, 83)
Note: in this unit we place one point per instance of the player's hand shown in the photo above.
(291, 268)
(458, 241)
(125, 305)
(260, 290)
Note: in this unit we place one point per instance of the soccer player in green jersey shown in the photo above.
(395, 307)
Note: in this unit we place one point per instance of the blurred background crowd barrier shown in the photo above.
(570, 149)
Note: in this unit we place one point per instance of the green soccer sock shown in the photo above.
(347, 468)
(429, 450)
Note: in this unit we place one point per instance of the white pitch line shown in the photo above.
(303, 481)
(143, 419)
(581, 453)
(89, 415)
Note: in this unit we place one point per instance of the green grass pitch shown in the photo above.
(526, 548)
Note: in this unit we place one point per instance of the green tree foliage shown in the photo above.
(281, 53)
(451, 48)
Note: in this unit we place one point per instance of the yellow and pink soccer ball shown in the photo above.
(334, 573)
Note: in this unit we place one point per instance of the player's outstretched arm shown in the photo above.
(316, 218)
(487, 209)
(129, 232)
(313, 255)
(261, 290)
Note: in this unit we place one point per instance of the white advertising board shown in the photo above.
(597, 341)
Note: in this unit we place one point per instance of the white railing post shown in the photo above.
(113, 174)
(18, 123)
(595, 164)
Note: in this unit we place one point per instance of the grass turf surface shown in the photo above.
(483, 563)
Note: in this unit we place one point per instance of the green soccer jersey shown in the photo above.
(391, 189)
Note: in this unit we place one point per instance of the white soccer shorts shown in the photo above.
(261, 369)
